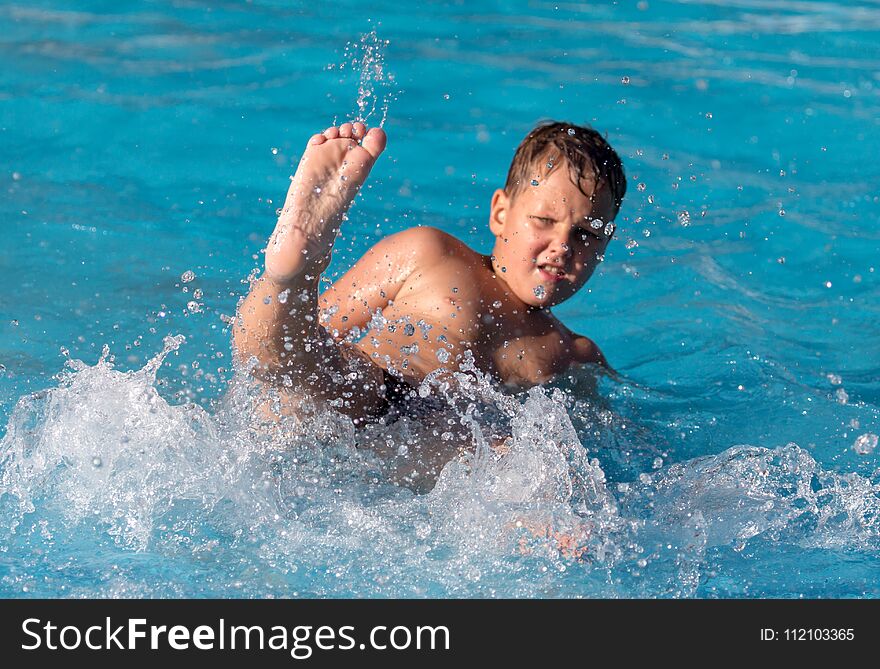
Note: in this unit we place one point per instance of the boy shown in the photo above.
(438, 298)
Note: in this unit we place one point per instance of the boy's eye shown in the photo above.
(542, 219)
(585, 236)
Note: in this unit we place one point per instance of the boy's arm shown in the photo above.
(376, 279)
(585, 351)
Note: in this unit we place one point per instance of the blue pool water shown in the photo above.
(739, 301)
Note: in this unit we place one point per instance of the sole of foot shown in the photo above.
(330, 173)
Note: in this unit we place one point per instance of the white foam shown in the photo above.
(316, 507)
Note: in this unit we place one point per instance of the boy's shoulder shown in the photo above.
(583, 349)
(429, 241)
(436, 256)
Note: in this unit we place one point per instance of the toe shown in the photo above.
(317, 139)
(374, 141)
(358, 129)
(332, 132)
(345, 130)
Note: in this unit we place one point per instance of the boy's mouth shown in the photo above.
(551, 272)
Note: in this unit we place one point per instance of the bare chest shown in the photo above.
(529, 359)
(418, 342)
(415, 337)
(436, 318)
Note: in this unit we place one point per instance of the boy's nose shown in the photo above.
(560, 247)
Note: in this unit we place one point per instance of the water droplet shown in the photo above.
(828, 284)
(317, 189)
(650, 199)
(865, 443)
(631, 244)
(596, 223)
(446, 96)
(782, 212)
(283, 295)
(197, 293)
(534, 182)
(841, 396)
(549, 164)
(540, 292)
(624, 80)
(442, 355)
(641, 187)
(684, 218)
(571, 131)
(609, 229)
(497, 304)
(342, 177)
(97, 462)
(409, 330)
(274, 151)
(194, 307)
(835, 379)
(188, 276)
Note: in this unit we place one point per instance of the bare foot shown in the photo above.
(332, 170)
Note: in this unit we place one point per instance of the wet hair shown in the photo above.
(585, 151)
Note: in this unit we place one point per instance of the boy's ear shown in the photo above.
(498, 211)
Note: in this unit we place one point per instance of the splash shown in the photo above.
(376, 85)
(104, 445)
(103, 465)
(781, 494)
(108, 489)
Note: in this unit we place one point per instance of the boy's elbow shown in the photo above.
(587, 352)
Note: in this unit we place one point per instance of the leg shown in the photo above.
(278, 321)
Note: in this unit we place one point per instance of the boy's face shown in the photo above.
(550, 238)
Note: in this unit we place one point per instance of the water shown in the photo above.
(143, 151)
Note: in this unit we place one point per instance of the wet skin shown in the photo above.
(439, 298)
